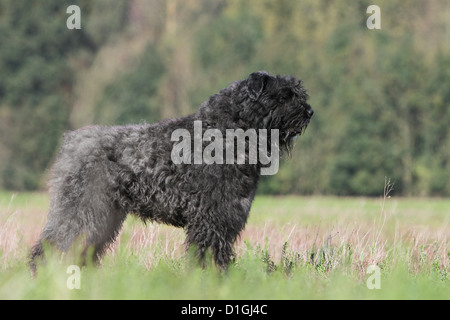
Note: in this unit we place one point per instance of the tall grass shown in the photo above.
(292, 248)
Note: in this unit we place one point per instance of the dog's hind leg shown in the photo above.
(100, 214)
(102, 231)
(82, 206)
(59, 232)
(96, 224)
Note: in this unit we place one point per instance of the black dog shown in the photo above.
(103, 173)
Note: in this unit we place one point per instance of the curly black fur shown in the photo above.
(103, 173)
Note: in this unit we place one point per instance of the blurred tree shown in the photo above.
(380, 97)
(133, 98)
(36, 85)
(435, 158)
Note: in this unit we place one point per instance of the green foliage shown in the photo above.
(131, 98)
(35, 87)
(324, 254)
(380, 96)
(327, 276)
(233, 42)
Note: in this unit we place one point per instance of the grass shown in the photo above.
(292, 248)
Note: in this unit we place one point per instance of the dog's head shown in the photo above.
(281, 103)
(261, 102)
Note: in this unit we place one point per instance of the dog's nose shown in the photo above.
(310, 112)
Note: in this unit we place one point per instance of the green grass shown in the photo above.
(292, 248)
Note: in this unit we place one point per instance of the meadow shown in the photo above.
(292, 248)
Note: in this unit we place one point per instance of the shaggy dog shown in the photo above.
(103, 173)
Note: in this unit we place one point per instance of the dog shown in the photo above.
(101, 173)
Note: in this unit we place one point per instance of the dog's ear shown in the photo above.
(255, 84)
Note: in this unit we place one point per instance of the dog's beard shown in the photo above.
(290, 136)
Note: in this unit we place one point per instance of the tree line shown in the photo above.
(381, 97)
